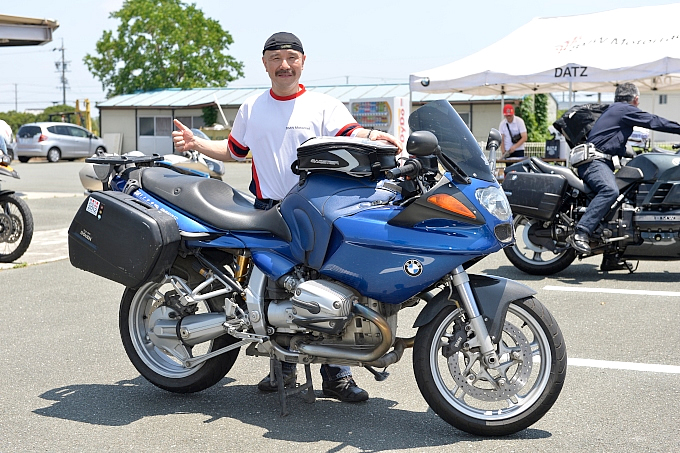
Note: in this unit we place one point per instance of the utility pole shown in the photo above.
(16, 108)
(62, 68)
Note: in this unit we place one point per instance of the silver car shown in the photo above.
(56, 141)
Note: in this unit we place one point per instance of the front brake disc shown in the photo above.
(478, 381)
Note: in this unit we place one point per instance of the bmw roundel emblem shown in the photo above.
(413, 268)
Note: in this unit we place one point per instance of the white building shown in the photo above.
(144, 121)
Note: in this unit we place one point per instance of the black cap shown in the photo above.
(283, 40)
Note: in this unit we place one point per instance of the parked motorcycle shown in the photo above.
(189, 161)
(323, 276)
(548, 200)
(16, 220)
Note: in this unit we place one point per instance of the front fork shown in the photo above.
(459, 280)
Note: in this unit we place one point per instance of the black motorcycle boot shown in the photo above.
(580, 241)
(344, 389)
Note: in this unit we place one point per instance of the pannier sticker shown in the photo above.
(94, 207)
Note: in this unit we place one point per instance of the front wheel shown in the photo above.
(140, 312)
(16, 228)
(535, 251)
(492, 401)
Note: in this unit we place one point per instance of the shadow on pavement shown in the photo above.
(372, 426)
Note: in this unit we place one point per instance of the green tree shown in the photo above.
(17, 119)
(162, 44)
(56, 110)
(534, 111)
(209, 115)
(526, 112)
(541, 114)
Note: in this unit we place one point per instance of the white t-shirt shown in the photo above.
(272, 128)
(5, 131)
(517, 126)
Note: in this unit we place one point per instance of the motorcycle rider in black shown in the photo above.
(609, 136)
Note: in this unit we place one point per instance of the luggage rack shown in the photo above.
(123, 160)
(104, 165)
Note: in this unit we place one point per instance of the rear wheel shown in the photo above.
(486, 401)
(23, 159)
(16, 228)
(535, 251)
(143, 314)
(53, 155)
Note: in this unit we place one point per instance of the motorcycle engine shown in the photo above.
(316, 305)
(324, 309)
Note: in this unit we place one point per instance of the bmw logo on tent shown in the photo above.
(413, 268)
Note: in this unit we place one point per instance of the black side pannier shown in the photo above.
(576, 123)
(120, 238)
(353, 156)
(535, 195)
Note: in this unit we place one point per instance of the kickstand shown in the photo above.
(378, 375)
(306, 389)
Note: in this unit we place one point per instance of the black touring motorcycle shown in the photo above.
(547, 202)
(16, 220)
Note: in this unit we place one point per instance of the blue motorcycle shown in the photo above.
(322, 277)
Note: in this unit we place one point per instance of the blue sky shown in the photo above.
(360, 42)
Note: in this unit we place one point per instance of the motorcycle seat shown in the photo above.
(213, 202)
(572, 179)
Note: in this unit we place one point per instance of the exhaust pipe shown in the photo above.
(359, 356)
(193, 329)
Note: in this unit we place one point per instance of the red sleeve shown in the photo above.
(348, 129)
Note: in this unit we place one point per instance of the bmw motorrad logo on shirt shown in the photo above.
(413, 268)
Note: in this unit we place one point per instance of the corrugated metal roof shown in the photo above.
(197, 97)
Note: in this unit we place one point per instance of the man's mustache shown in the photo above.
(285, 71)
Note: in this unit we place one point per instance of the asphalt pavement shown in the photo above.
(67, 384)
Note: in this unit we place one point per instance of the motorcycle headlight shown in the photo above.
(494, 200)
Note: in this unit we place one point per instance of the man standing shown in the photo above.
(271, 126)
(609, 135)
(514, 133)
(5, 136)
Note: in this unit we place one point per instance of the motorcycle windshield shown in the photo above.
(455, 139)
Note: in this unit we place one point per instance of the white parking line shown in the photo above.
(638, 292)
(629, 366)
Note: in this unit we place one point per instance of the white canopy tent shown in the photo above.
(590, 52)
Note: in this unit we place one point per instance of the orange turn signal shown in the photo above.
(450, 204)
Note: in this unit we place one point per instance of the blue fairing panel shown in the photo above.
(376, 258)
(310, 209)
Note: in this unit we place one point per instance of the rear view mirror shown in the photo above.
(422, 143)
(494, 140)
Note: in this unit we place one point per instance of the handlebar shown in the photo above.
(405, 170)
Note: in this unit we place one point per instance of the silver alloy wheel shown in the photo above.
(53, 155)
(494, 394)
(162, 357)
